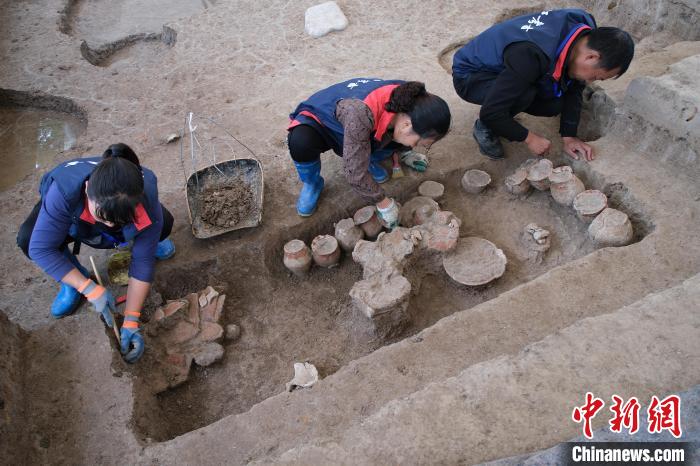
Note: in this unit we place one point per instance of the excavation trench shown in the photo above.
(285, 319)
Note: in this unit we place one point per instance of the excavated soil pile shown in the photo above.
(225, 204)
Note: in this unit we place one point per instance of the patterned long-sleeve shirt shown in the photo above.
(358, 124)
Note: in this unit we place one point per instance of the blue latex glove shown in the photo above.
(131, 336)
(101, 299)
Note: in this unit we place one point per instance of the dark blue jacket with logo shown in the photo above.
(64, 213)
(552, 31)
(319, 109)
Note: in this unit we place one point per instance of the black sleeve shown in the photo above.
(571, 110)
(525, 64)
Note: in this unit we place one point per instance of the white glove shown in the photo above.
(389, 215)
(415, 160)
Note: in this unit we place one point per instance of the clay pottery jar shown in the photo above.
(589, 204)
(564, 185)
(611, 228)
(431, 189)
(538, 174)
(409, 215)
(325, 251)
(348, 234)
(517, 183)
(474, 181)
(297, 257)
(367, 219)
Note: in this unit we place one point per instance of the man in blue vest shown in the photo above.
(538, 64)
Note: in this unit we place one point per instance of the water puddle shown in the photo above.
(30, 138)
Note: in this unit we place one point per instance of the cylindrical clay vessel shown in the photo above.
(348, 234)
(564, 185)
(475, 181)
(297, 257)
(611, 228)
(538, 174)
(517, 183)
(589, 204)
(325, 251)
(367, 219)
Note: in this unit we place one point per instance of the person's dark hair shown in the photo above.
(615, 46)
(430, 115)
(116, 185)
(121, 150)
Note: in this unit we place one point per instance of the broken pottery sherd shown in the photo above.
(325, 251)
(305, 376)
(611, 228)
(536, 238)
(475, 181)
(538, 174)
(474, 261)
(367, 219)
(589, 204)
(297, 257)
(431, 189)
(517, 183)
(564, 185)
(348, 234)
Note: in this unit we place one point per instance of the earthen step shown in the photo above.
(651, 347)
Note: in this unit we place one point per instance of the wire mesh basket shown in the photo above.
(224, 195)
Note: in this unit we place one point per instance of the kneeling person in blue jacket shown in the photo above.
(538, 64)
(104, 202)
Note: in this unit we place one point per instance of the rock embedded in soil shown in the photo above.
(383, 293)
(224, 205)
(589, 204)
(611, 228)
(431, 189)
(348, 234)
(208, 354)
(367, 219)
(325, 251)
(475, 261)
(538, 174)
(321, 19)
(475, 181)
(564, 185)
(233, 331)
(297, 257)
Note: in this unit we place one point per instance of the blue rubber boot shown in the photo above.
(165, 249)
(68, 298)
(379, 173)
(310, 175)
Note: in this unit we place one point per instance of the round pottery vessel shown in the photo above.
(325, 251)
(297, 257)
(348, 234)
(475, 181)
